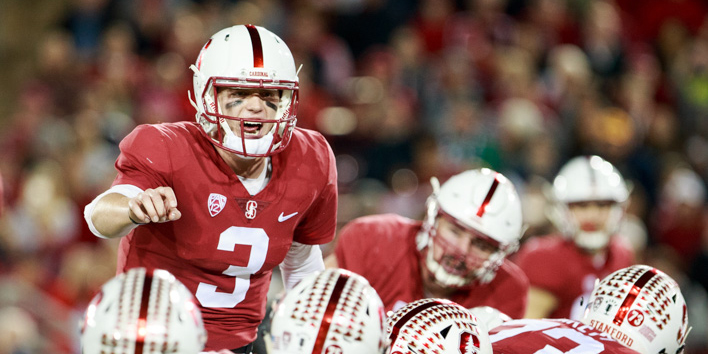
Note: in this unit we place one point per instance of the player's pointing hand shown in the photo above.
(154, 205)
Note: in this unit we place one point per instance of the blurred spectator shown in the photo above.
(679, 218)
(44, 218)
(18, 332)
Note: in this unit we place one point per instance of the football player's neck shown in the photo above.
(248, 168)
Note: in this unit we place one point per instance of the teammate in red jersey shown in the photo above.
(591, 198)
(637, 309)
(221, 201)
(553, 336)
(458, 252)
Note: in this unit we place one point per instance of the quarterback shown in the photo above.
(458, 252)
(221, 201)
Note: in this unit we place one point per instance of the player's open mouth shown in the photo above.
(250, 128)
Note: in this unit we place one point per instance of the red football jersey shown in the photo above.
(227, 242)
(556, 264)
(550, 336)
(382, 249)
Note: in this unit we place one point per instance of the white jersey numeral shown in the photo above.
(586, 344)
(208, 295)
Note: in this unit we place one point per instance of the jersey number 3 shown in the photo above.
(208, 295)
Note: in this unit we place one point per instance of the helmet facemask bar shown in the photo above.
(456, 269)
(589, 240)
(215, 123)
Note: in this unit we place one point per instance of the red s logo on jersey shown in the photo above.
(251, 207)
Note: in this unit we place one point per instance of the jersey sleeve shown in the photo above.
(351, 245)
(320, 222)
(144, 160)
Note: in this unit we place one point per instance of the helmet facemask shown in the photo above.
(585, 180)
(479, 205)
(448, 265)
(215, 120)
(246, 58)
(591, 239)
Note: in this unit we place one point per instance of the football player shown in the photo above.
(457, 252)
(335, 311)
(637, 309)
(221, 201)
(436, 326)
(590, 201)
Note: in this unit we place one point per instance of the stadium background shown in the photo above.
(402, 89)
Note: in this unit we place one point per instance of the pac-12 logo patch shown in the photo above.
(216, 203)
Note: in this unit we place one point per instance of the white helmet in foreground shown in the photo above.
(246, 57)
(589, 179)
(483, 204)
(335, 311)
(489, 316)
(143, 312)
(642, 308)
(436, 326)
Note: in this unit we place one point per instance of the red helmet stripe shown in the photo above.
(488, 198)
(141, 331)
(591, 172)
(201, 54)
(396, 328)
(329, 313)
(257, 46)
(633, 292)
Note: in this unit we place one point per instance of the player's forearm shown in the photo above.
(110, 216)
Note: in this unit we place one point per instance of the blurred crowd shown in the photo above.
(403, 90)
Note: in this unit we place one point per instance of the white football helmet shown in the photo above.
(245, 57)
(642, 308)
(489, 316)
(143, 312)
(436, 326)
(486, 205)
(585, 179)
(335, 311)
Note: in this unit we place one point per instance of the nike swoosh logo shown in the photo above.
(282, 217)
